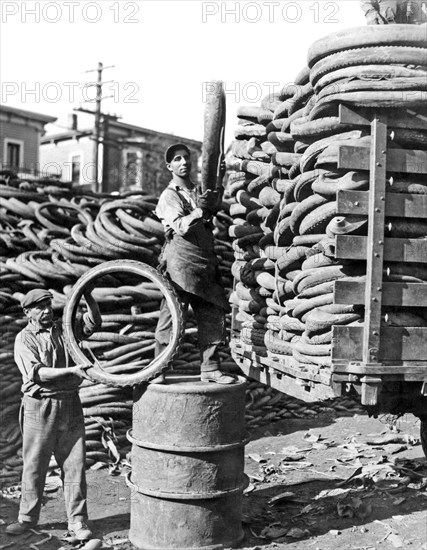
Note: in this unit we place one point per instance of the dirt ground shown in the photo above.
(333, 489)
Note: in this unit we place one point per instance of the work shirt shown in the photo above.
(177, 209)
(37, 347)
(188, 255)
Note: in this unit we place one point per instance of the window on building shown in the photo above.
(76, 168)
(133, 168)
(14, 153)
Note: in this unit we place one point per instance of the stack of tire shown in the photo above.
(294, 255)
(52, 235)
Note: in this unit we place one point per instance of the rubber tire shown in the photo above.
(213, 138)
(371, 72)
(160, 363)
(382, 55)
(372, 35)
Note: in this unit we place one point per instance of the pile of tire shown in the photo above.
(50, 236)
(284, 181)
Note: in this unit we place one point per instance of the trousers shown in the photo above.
(210, 324)
(53, 425)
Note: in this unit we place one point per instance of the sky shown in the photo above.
(163, 54)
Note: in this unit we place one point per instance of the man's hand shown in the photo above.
(210, 201)
(374, 18)
(80, 370)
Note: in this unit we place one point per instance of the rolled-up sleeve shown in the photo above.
(171, 212)
(27, 357)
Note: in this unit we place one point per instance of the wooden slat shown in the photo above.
(274, 375)
(404, 119)
(399, 205)
(375, 241)
(395, 250)
(396, 344)
(347, 291)
(406, 161)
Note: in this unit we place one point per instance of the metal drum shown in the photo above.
(187, 476)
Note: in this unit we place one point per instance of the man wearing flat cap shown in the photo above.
(189, 260)
(51, 415)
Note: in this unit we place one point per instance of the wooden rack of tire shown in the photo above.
(284, 180)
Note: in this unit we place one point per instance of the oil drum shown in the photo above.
(187, 475)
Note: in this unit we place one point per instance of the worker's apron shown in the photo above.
(192, 265)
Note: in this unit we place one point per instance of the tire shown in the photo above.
(303, 188)
(374, 35)
(82, 215)
(384, 99)
(308, 240)
(306, 305)
(317, 220)
(352, 181)
(291, 259)
(303, 209)
(370, 72)
(160, 363)
(308, 159)
(402, 85)
(318, 129)
(302, 77)
(382, 55)
(213, 139)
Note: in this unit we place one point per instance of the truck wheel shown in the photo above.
(160, 363)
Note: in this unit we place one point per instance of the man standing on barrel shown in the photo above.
(188, 258)
(384, 12)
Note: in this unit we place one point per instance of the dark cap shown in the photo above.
(35, 296)
(170, 151)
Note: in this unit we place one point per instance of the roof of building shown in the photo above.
(30, 115)
(72, 134)
(66, 135)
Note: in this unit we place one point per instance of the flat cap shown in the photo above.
(170, 151)
(35, 296)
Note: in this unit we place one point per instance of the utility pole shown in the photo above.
(98, 119)
(98, 101)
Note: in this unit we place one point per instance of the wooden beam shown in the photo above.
(347, 291)
(397, 344)
(407, 161)
(399, 205)
(395, 250)
(405, 118)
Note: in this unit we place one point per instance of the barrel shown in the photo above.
(187, 477)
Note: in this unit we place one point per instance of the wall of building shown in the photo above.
(28, 135)
(55, 157)
(151, 173)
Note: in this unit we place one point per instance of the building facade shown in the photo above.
(20, 135)
(130, 157)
